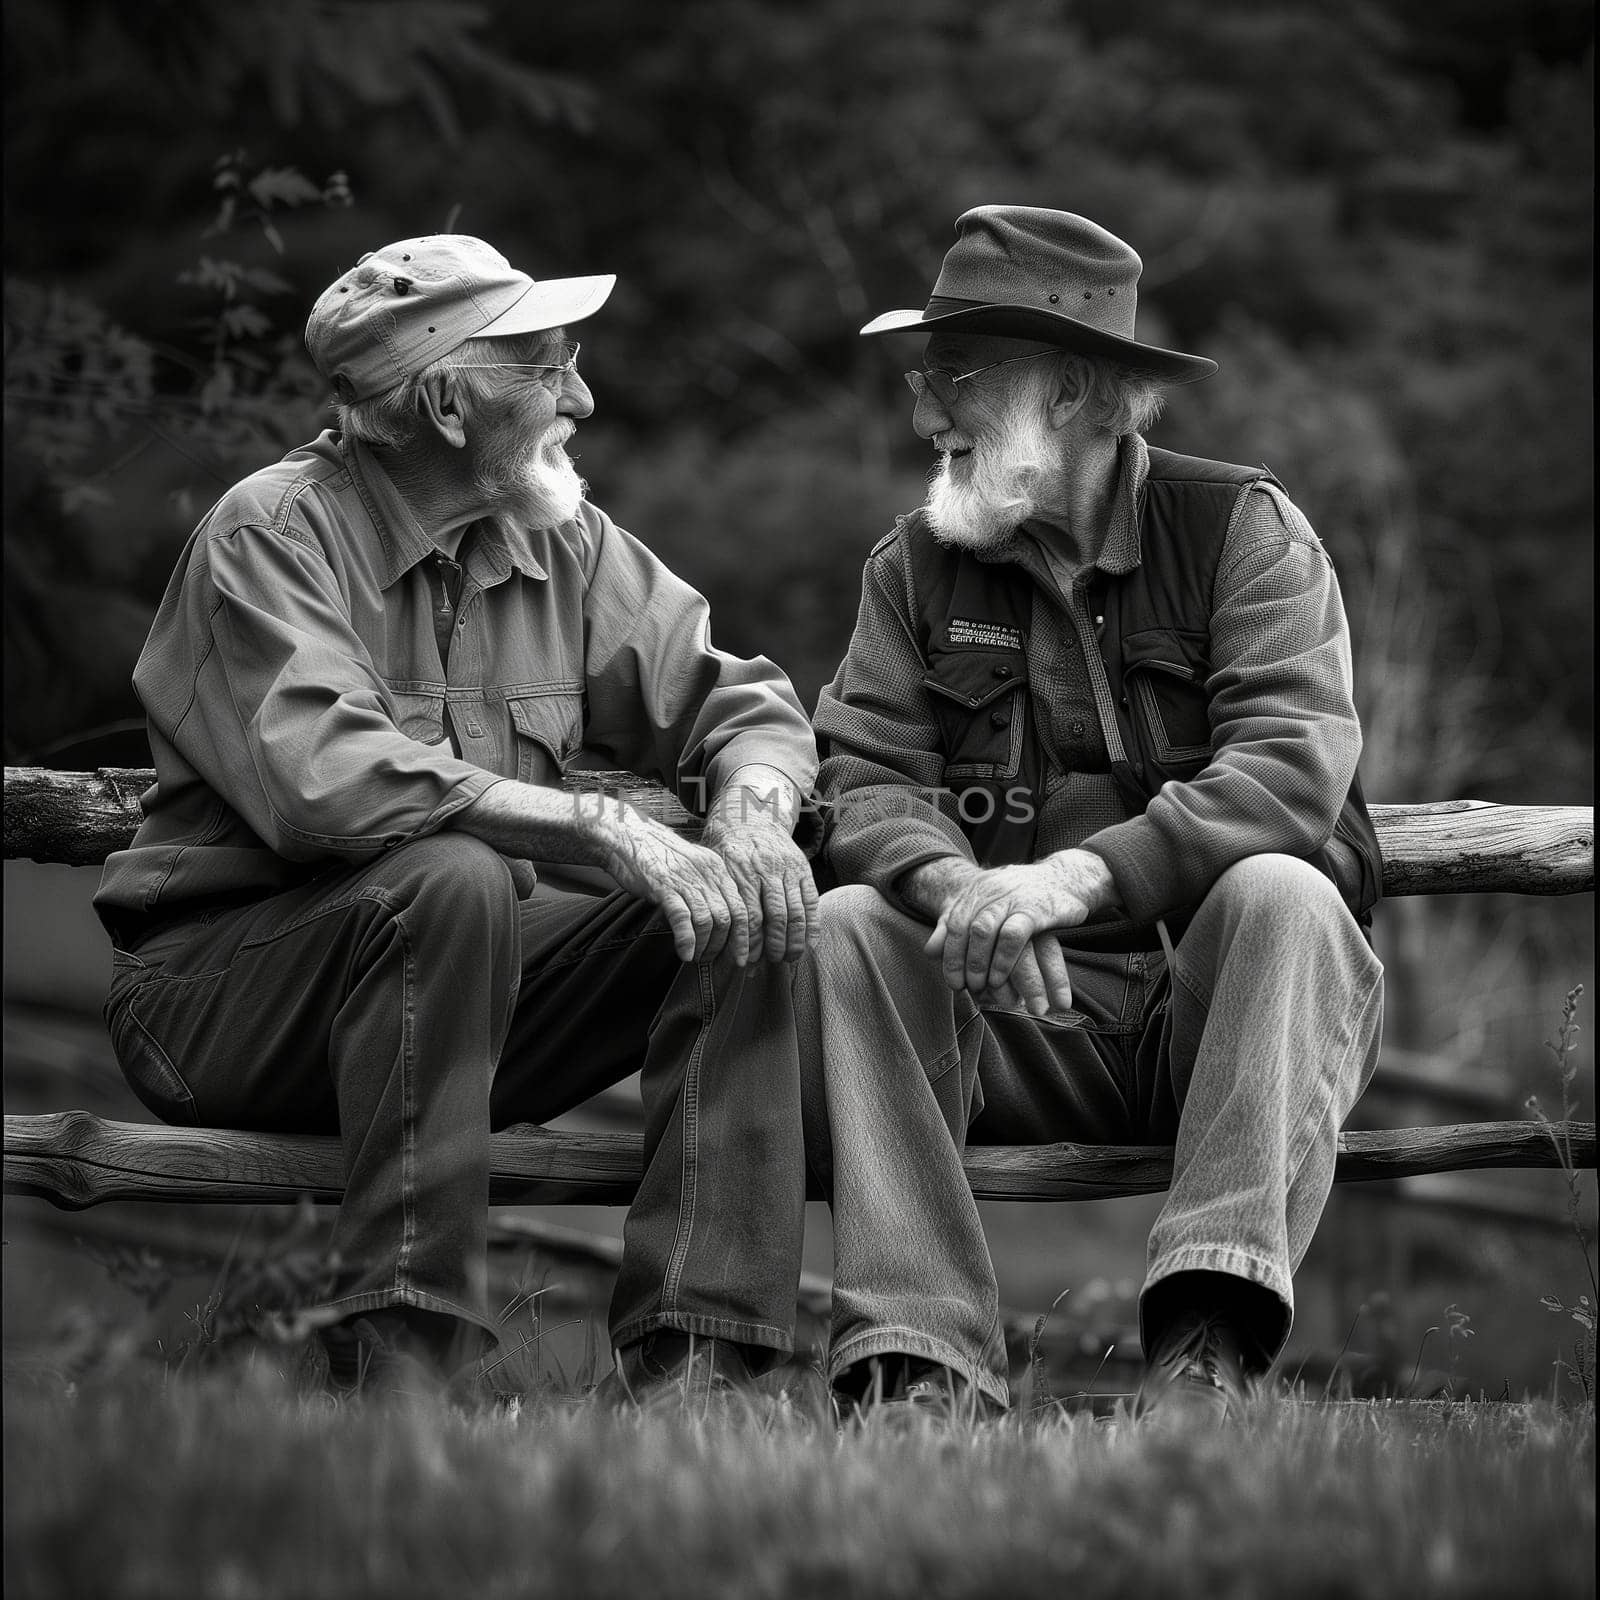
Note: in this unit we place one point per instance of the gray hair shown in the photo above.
(1120, 399)
(390, 418)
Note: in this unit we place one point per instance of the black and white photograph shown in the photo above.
(799, 800)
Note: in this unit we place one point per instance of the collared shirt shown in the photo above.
(1285, 737)
(300, 713)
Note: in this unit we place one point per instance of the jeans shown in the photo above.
(413, 1004)
(1246, 1056)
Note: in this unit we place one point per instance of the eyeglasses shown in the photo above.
(563, 367)
(942, 385)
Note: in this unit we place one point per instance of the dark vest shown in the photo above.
(972, 619)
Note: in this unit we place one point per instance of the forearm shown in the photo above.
(757, 792)
(532, 823)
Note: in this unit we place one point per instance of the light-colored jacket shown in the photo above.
(299, 714)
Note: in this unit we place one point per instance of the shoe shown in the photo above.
(364, 1359)
(796, 1388)
(678, 1371)
(1195, 1373)
(896, 1389)
(389, 1352)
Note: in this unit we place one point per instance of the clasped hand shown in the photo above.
(746, 889)
(996, 935)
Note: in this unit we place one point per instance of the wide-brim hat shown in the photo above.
(401, 308)
(1024, 272)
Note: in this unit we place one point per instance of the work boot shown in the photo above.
(893, 1389)
(1194, 1373)
(797, 1388)
(391, 1351)
(684, 1372)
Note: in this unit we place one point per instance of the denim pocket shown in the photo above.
(547, 728)
(146, 1065)
(419, 716)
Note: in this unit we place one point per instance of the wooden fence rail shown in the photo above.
(1444, 847)
(76, 1159)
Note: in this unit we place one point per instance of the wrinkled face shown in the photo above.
(997, 449)
(521, 466)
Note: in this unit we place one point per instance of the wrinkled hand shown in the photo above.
(775, 883)
(997, 913)
(1039, 982)
(704, 905)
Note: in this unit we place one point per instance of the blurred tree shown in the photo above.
(1375, 214)
(128, 405)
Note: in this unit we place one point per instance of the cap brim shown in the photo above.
(552, 303)
(1049, 327)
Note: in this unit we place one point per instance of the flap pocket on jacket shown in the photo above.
(978, 697)
(548, 729)
(419, 716)
(1176, 650)
(973, 678)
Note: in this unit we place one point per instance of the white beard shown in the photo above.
(978, 500)
(539, 491)
(553, 489)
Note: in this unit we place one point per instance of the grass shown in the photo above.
(206, 1475)
(223, 1483)
(1581, 1369)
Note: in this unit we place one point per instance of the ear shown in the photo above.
(442, 409)
(1068, 394)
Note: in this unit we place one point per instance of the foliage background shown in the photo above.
(1376, 214)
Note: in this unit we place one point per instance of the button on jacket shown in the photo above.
(300, 716)
(1284, 734)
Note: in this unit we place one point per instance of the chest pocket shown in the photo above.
(1164, 677)
(546, 731)
(419, 716)
(979, 698)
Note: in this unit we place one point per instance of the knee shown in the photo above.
(857, 916)
(1278, 885)
(1282, 908)
(453, 871)
(851, 904)
(869, 960)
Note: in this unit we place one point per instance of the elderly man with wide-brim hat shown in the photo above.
(360, 902)
(1105, 868)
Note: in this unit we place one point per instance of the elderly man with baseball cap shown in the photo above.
(360, 901)
(1091, 760)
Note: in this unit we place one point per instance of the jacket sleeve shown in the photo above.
(289, 720)
(665, 702)
(1284, 733)
(883, 768)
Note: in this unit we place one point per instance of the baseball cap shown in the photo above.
(409, 304)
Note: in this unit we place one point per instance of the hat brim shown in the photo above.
(552, 303)
(1049, 327)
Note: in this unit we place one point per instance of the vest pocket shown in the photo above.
(1170, 718)
(1164, 673)
(978, 697)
